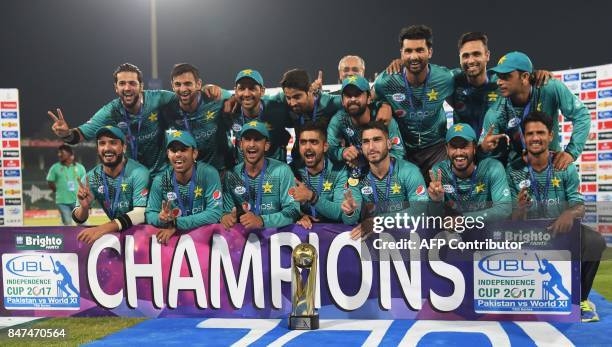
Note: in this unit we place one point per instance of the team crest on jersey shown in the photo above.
(144, 192)
(352, 181)
(524, 184)
(513, 122)
(400, 113)
(236, 127)
(367, 190)
(398, 97)
(448, 189)
(240, 190)
(101, 189)
(216, 195)
(171, 196)
(420, 190)
(349, 132)
(122, 125)
(395, 140)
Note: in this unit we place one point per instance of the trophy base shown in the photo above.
(304, 322)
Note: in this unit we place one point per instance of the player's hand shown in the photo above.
(230, 106)
(84, 194)
(166, 215)
(59, 127)
(301, 192)
(435, 189)
(163, 235)
(385, 113)
(491, 141)
(90, 235)
(563, 224)
(395, 66)
(306, 221)
(250, 221)
(523, 199)
(349, 205)
(229, 219)
(541, 77)
(562, 160)
(350, 153)
(317, 85)
(212, 92)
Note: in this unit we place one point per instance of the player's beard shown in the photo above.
(135, 101)
(539, 151)
(469, 159)
(114, 163)
(359, 112)
(414, 68)
(383, 155)
(188, 101)
(314, 158)
(476, 71)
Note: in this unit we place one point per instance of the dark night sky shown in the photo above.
(62, 52)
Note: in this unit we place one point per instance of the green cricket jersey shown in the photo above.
(330, 185)
(66, 181)
(560, 193)
(206, 127)
(470, 103)
(486, 194)
(341, 127)
(390, 195)
(144, 132)
(418, 110)
(550, 98)
(206, 196)
(273, 112)
(131, 187)
(276, 206)
(326, 106)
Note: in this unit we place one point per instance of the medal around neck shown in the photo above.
(303, 314)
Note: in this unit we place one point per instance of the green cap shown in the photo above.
(513, 61)
(181, 136)
(357, 81)
(250, 73)
(113, 131)
(462, 130)
(256, 126)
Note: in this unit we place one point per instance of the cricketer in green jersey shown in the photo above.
(320, 183)
(541, 191)
(187, 194)
(257, 191)
(392, 185)
(254, 105)
(503, 119)
(417, 96)
(468, 188)
(118, 184)
(345, 126)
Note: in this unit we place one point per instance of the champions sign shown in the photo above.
(213, 272)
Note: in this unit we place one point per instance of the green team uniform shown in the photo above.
(206, 127)
(132, 188)
(66, 181)
(206, 194)
(276, 206)
(558, 192)
(550, 98)
(326, 105)
(486, 195)
(470, 103)
(144, 132)
(341, 127)
(275, 113)
(330, 186)
(406, 185)
(418, 110)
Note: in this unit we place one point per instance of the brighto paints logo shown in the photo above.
(38, 242)
(532, 237)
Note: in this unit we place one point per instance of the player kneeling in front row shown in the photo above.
(391, 186)
(118, 184)
(321, 184)
(186, 195)
(468, 188)
(556, 196)
(256, 191)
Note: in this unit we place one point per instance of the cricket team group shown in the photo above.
(201, 155)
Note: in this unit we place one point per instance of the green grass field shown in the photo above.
(83, 330)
